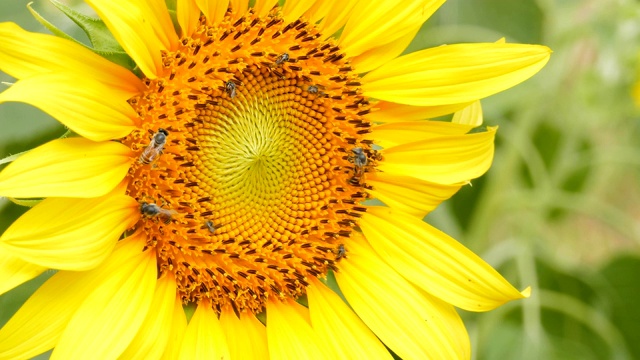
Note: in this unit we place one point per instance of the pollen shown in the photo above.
(254, 163)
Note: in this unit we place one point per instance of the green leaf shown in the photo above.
(172, 5)
(101, 38)
(25, 202)
(57, 32)
(189, 310)
(102, 41)
(620, 288)
(10, 158)
(174, 19)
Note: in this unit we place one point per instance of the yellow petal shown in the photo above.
(160, 21)
(408, 322)
(399, 133)
(112, 314)
(445, 160)
(292, 10)
(188, 15)
(72, 167)
(39, 323)
(376, 23)
(410, 195)
(453, 74)
(435, 262)
(262, 7)
(454, 324)
(387, 112)
(24, 54)
(470, 115)
(336, 17)
(15, 271)
(71, 234)
(339, 328)
(246, 336)
(319, 10)
(204, 338)
(380, 55)
(214, 10)
(238, 7)
(178, 328)
(151, 341)
(138, 30)
(86, 106)
(289, 333)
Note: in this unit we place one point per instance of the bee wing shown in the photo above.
(168, 212)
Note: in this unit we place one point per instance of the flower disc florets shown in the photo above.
(257, 182)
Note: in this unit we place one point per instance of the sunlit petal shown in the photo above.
(398, 133)
(408, 322)
(110, 317)
(246, 336)
(188, 15)
(85, 105)
(453, 74)
(408, 194)
(289, 333)
(337, 17)
(238, 7)
(153, 336)
(339, 327)
(319, 10)
(24, 54)
(380, 55)
(373, 24)
(39, 323)
(435, 262)
(204, 338)
(73, 167)
(451, 159)
(262, 7)
(389, 112)
(177, 331)
(471, 115)
(292, 10)
(72, 234)
(14, 271)
(214, 10)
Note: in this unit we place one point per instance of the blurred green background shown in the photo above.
(559, 209)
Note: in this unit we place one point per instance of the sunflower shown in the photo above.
(267, 167)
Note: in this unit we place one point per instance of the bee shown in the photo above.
(282, 58)
(342, 252)
(316, 89)
(230, 88)
(359, 159)
(154, 149)
(152, 210)
(210, 226)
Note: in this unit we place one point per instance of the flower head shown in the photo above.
(234, 173)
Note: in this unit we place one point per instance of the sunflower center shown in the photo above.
(251, 160)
